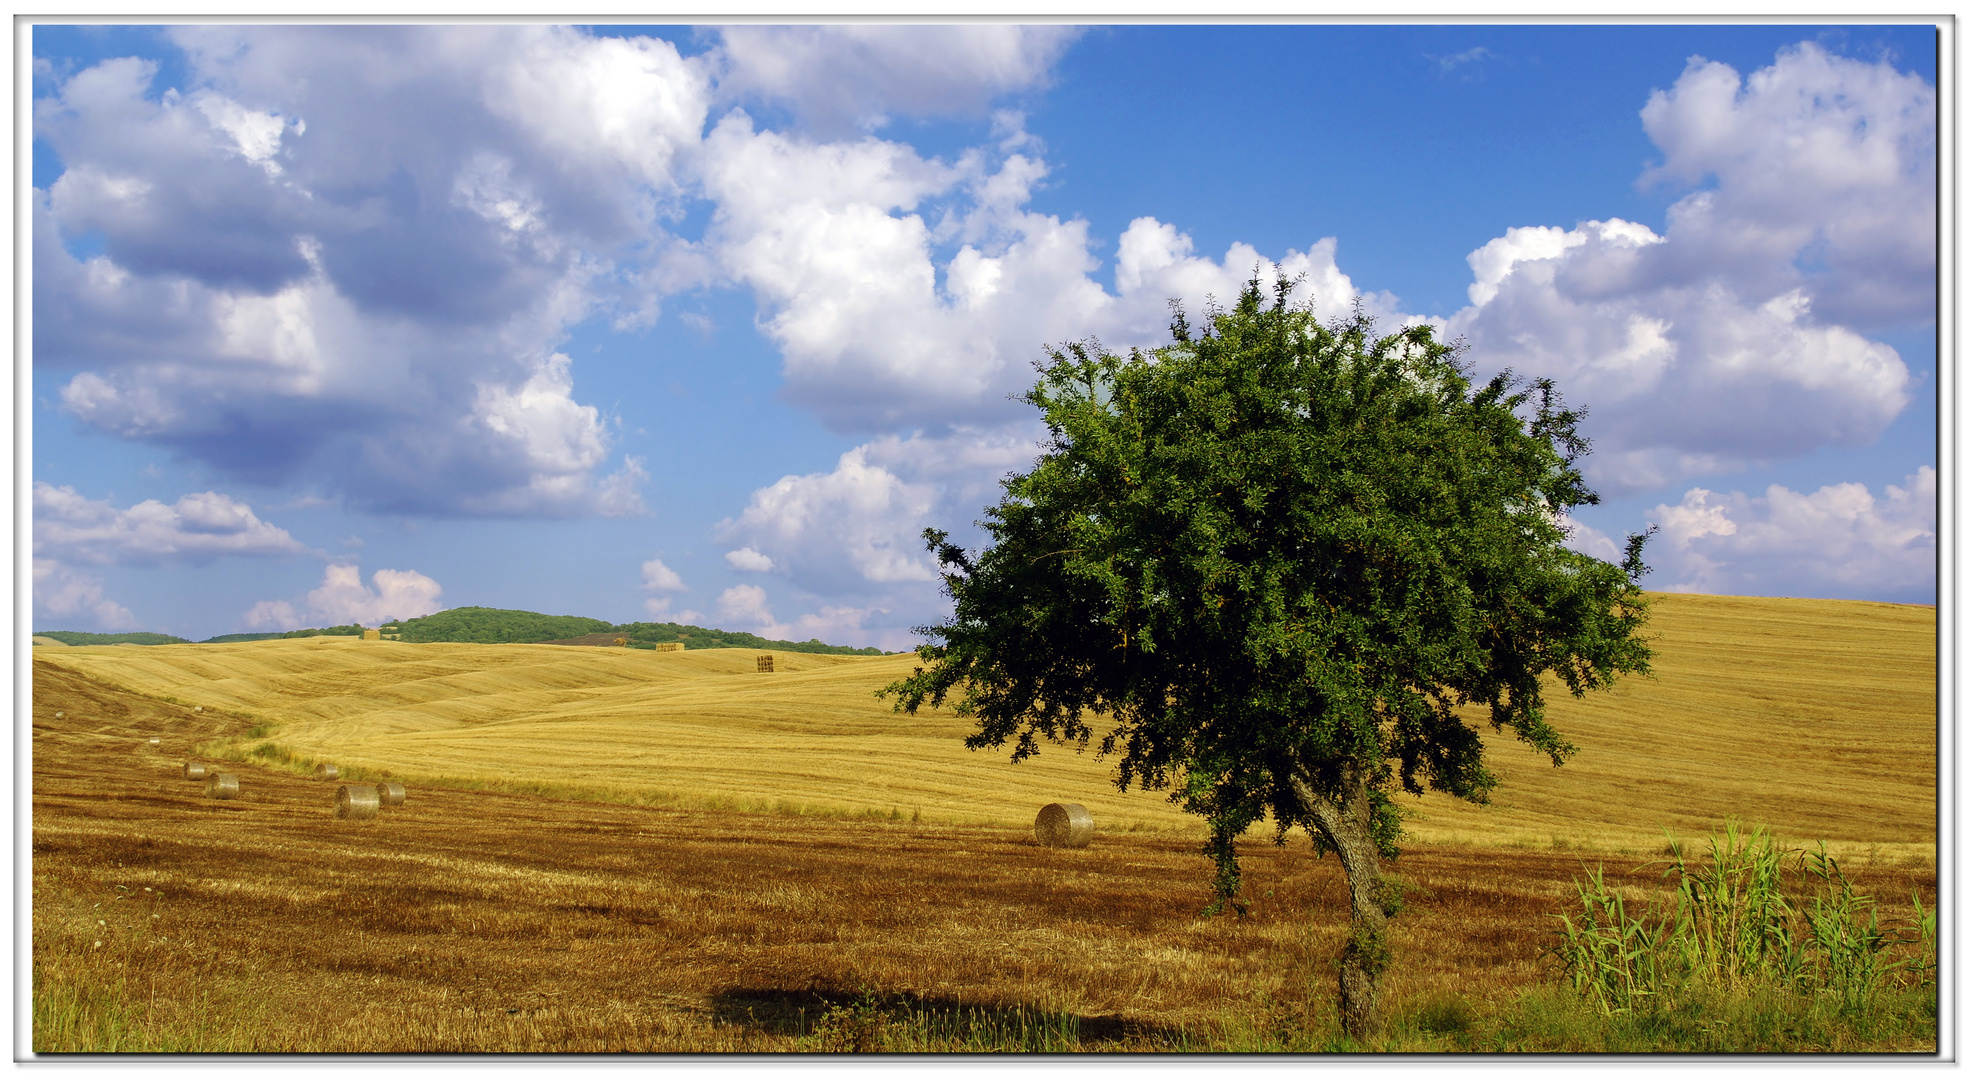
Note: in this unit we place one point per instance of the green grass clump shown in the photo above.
(1710, 1020)
(884, 1023)
(1740, 946)
(85, 1002)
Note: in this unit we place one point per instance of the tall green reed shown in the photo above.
(1733, 923)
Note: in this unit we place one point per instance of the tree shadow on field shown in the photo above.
(829, 1017)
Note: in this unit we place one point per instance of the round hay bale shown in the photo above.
(154, 740)
(355, 801)
(198, 708)
(765, 662)
(194, 770)
(325, 771)
(1063, 825)
(222, 786)
(58, 715)
(390, 794)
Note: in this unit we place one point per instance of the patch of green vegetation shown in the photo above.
(84, 1005)
(141, 637)
(1710, 1019)
(496, 626)
(272, 753)
(892, 1024)
(1741, 958)
(645, 635)
(499, 626)
(350, 630)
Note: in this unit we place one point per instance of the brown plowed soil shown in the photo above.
(473, 921)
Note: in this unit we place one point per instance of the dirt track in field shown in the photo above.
(472, 921)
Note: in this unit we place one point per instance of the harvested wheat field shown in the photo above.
(684, 915)
(1815, 717)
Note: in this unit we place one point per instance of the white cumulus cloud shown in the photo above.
(350, 255)
(749, 560)
(65, 593)
(845, 522)
(843, 78)
(342, 598)
(905, 291)
(1839, 541)
(857, 529)
(198, 528)
(1825, 180)
(659, 577)
(1588, 540)
(273, 615)
(346, 254)
(746, 606)
(398, 594)
(1735, 338)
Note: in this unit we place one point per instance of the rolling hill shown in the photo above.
(1816, 717)
(496, 626)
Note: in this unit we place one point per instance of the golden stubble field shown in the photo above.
(479, 917)
(1815, 717)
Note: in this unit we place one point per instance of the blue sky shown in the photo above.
(339, 324)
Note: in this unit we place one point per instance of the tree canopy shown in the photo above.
(345, 630)
(1269, 565)
(647, 634)
(140, 637)
(496, 626)
(503, 626)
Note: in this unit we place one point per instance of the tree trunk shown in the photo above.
(1344, 824)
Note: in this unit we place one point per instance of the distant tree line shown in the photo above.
(645, 635)
(499, 626)
(496, 626)
(141, 637)
(351, 630)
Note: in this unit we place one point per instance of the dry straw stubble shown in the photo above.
(1063, 825)
(357, 802)
(568, 903)
(1835, 699)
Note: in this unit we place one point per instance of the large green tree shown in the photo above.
(1269, 565)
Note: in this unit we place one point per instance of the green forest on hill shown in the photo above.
(141, 637)
(350, 630)
(496, 626)
(647, 635)
(500, 626)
